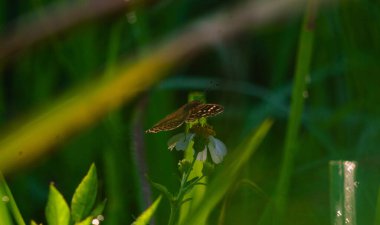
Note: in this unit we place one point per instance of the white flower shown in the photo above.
(180, 141)
(216, 147)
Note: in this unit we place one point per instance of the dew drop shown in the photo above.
(5, 198)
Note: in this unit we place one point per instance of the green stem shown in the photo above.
(305, 50)
(173, 214)
(186, 177)
(175, 205)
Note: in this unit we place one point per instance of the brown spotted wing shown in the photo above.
(187, 113)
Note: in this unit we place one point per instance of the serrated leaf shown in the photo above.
(57, 211)
(86, 221)
(145, 217)
(85, 196)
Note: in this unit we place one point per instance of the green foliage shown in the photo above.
(86, 221)
(163, 190)
(85, 196)
(146, 216)
(8, 208)
(57, 211)
(33, 223)
(87, 94)
(82, 204)
(302, 71)
(4, 214)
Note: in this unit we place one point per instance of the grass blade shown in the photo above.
(145, 217)
(305, 50)
(6, 193)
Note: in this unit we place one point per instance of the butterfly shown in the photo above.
(187, 113)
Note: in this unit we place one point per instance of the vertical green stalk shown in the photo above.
(198, 192)
(5, 192)
(173, 214)
(305, 50)
(114, 122)
(185, 187)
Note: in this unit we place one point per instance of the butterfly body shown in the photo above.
(187, 113)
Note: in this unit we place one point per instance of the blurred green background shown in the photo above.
(250, 75)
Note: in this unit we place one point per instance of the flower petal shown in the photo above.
(202, 156)
(180, 141)
(220, 147)
(183, 143)
(176, 138)
(217, 150)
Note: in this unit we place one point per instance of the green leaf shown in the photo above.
(162, 189)
(144, 218)
(86, 221)
(57, 211)
(5, 214)
(32, 222)
(99, 208)
(12, 206)
(85, 196)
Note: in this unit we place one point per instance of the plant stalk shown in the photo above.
(176, 204)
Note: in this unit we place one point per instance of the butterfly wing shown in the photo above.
(170, 122)
(165, 126)
(204, 110)
(187, 113)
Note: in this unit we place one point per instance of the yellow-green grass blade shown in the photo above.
(145, 217)
(302, 70)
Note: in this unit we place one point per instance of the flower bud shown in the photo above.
(184, 165)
